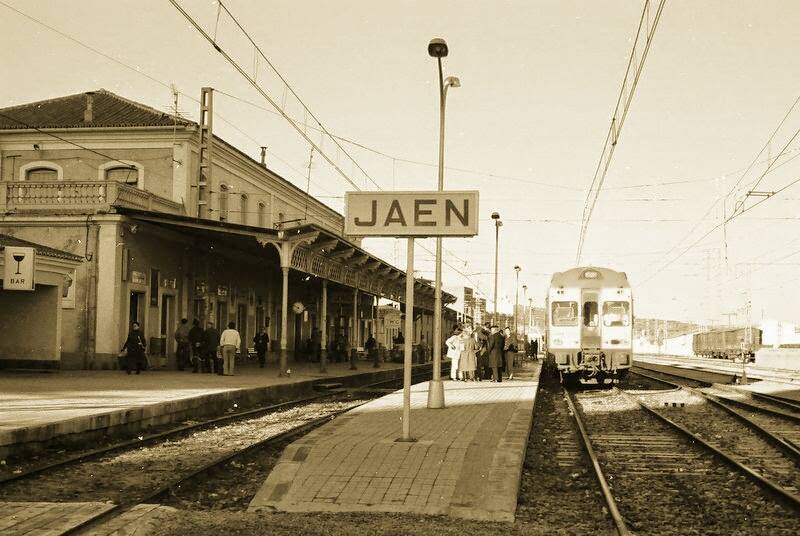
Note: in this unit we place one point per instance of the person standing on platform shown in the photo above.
(261, 344)
(229, 341)
(535, 349)
(468, 361)
(454, 352)
(510, 345)
(494, 348)
(184, 350)
(482, 336)
(197, 339)
(371, 346)
(135, 346)
(212, 363)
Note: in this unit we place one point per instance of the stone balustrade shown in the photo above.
(80, 197)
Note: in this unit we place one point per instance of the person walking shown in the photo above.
(510, 346)
(135, 347)
(213, 362)
(229, 341)
(494, 348)
(197, 339)
(468, 362)
(184, 350)
(261, 343)
(454, 352)
(535, 349)
(371, 346)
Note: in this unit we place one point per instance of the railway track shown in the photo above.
(129, 474)
(654, 473)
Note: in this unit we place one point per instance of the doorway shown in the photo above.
(222, 316)
(167, 322)
(136, 310)
(241, 326)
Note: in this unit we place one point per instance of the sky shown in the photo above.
(539, 80)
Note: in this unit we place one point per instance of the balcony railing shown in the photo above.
(80, 197)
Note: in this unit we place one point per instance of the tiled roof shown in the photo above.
(12, 241)
(108, 110)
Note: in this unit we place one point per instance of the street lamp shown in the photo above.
(524, 300)
(516, 298)
(437, 48)
(497, 225)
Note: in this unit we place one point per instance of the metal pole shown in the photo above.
(496, 242)
(408, 344)
(323, 335)
(435, 386)
(516, 303)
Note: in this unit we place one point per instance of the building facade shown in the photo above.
(169, 222)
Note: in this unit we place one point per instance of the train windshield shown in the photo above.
(565, 313)
(616, 313)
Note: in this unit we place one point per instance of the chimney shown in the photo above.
(88, 113)
(264, 156)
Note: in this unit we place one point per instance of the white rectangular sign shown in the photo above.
(20, 268)
(411, 214)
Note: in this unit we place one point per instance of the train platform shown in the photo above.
(466, 461)
(38, 409)
(724, 366)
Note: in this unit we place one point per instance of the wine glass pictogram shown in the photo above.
(19, 257)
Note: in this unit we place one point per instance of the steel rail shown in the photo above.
(153, 495)
(722, 402)
(761, 480)
(777, 400)
(151, 438)
(619, 522)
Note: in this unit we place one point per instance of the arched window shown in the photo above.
(123, 171)
(125, 175)
(243, 219)
(223, 202)
(41, 172)
(262, 214)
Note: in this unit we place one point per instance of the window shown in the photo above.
(616, 313)
(223, 202)
(262, 216)
(123, 174)
(41, 174)
(564, 313)
(244, 208)
(590, 319)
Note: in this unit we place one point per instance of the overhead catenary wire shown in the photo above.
(618, 118)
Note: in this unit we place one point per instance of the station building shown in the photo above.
(153, 218)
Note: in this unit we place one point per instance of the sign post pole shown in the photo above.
(409, 340)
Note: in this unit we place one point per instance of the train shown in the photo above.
(730, 343)
(589, 324)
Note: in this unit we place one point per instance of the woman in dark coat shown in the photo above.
(135, 346)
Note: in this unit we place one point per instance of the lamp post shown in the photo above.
(516, 298)
(437, 48)
(524, 300)
(497, 225)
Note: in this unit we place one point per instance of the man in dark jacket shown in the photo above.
(494, 348)
(184, 351)
(197, 339)
(261, 345)
(212, 362)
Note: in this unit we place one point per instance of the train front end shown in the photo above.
(590, 324)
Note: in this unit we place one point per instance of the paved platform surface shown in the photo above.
(37, 406)
(466, 462)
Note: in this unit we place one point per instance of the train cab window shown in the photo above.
(590, 317)
(616, 313)
(565, 313)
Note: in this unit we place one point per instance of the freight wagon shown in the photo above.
(727, 343)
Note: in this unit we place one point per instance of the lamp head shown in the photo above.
(452, 81)
(495, 215)
(437, 48)
(517, 268)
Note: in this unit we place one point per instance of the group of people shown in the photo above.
(203, 349)
(483, 353)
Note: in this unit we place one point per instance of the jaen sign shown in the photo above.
(411, 214)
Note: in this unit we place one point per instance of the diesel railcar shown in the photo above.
(589, 318)
(730, 343)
